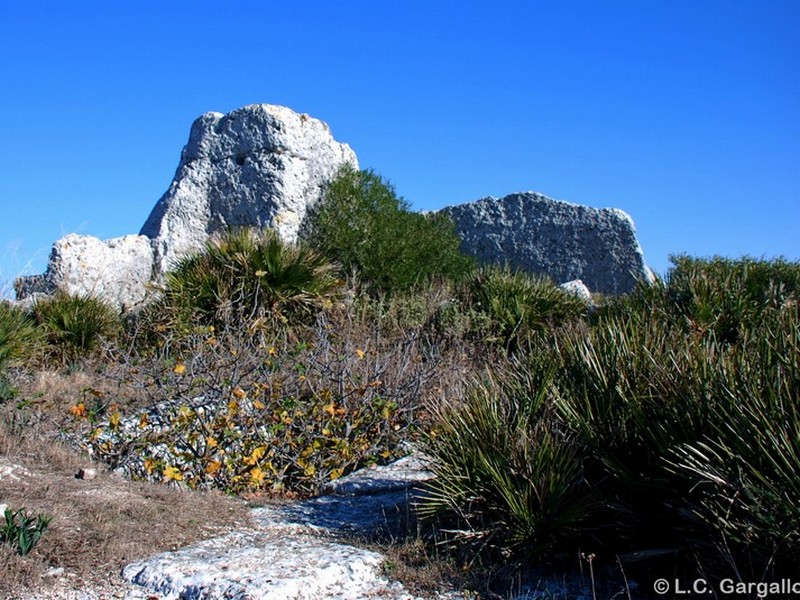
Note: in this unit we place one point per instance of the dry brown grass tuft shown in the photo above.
(412, 562)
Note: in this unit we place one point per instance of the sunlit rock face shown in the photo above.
(267, 166)
(258, 166)
(116, 270)
(549, 237)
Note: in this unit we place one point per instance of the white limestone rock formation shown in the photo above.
(116, 271)
(555, 238)
(258, 166)
(274, 565)
(578, 289)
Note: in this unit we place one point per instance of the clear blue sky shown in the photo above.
(684, 113)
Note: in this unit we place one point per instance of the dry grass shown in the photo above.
(99, 524)
(411, 562)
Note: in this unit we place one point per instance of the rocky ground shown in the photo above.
(297, 550)
(111, 538)
(310, 549)
(304, 549)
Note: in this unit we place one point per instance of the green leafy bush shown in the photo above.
(74, 325)
(248, 274)
(362, 224)
(23, 530)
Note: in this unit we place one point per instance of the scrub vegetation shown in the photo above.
(652, 435)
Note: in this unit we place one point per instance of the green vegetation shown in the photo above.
(75, 326)
(247, 274)
(514, 304)
(19, 338)
(665, 428)
(657, 432)
(726, 296)
(18, 334)
(22, 530)
(500, 459)
(363, 225)
(259, 414)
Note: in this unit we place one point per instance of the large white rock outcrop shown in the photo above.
(555, 238)
(258, 166)
(117, 270)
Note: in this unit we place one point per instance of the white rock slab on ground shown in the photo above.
(298, 550)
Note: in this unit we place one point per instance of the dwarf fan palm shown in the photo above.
(250, 274)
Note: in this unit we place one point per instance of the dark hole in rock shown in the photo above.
(240, 159)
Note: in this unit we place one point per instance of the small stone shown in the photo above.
(12, 471)
(86, 474)
(577, 288)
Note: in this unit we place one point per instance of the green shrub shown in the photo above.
(513, 303)
(19, 338)
(508, 479)
(689, 391)
(23, 530)
(75, 326)
(726, 296)
(686, 431)
(251, 275)
(18, 334)
(631, 388)
(745, 471)
(362, 224)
